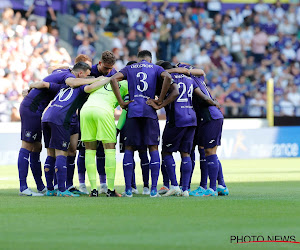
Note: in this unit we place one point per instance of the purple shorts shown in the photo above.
(178, 139)
(142, 131)
(122, 141)
(74, 129)
(208, 134)
(31, 127)
(56, 136)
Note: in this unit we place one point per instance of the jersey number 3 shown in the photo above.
(143, 76)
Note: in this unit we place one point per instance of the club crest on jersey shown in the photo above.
(109, 88)
(28, 134)
(64, 144)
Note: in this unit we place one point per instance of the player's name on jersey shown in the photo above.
(146, 97)
(134, 66)
(56, 105)
(186, 107)
(181, 76)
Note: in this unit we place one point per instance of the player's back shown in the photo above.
(204, 112)
(180, 113)
(64, 105)
(38, 99)
(142, 80)
(105, 98)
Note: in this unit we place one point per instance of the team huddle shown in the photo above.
(74, 110)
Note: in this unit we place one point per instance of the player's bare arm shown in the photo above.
(58, 66)
(114, 85)
(96, 85)
(165, 87)
(174, 93)
(180, 70)
(205, 98)
(39, 85)
(77, 82)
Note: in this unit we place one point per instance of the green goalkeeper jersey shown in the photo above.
(105, 98)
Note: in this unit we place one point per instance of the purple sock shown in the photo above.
(49, 172)
(81, 166)
(164, 172)
(128, 168)
(180, 180)
(203, 168)
(145, 167)
(61, 172)
(101, 164)
(154, 167)
(220, 176)
(186, 172)
(170, 167)
(36, 169)
(55, 179)
(212, 163)
(23, 167)
(70, 170)
(133, 184)
(193, 166)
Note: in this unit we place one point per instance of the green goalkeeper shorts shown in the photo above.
(97, 124)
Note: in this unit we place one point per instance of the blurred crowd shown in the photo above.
(240, 49)
(26, 52)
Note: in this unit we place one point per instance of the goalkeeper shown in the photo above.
(97, 123)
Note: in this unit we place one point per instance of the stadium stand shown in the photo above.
(239, 46)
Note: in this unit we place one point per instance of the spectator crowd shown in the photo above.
(240, 49)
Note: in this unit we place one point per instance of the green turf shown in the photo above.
(264, 200)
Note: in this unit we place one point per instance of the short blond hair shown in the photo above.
(82, 58)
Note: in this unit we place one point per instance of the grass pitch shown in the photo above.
(264, 200)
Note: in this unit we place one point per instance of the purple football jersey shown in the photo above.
(142, 79)
(38, 99)
(59, 76)
(64, 105)
(180, 112)
(96, 73)
(214, 112)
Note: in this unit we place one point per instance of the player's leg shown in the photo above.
(186, 171)
(133, 136)
(212, 162)
(133, 183)
(145, 170)
(203, 168)
(151, 137)
(30, 133)
(100, 155)
(50, 160)
(71, 162)
(60, 141)
(81, 170)
(193, 156)
(90, 164)
(222, 188)
(166, 180)
(185, 149)
(23, 164)
(110, 168)
(88, 127)
(36, 167)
